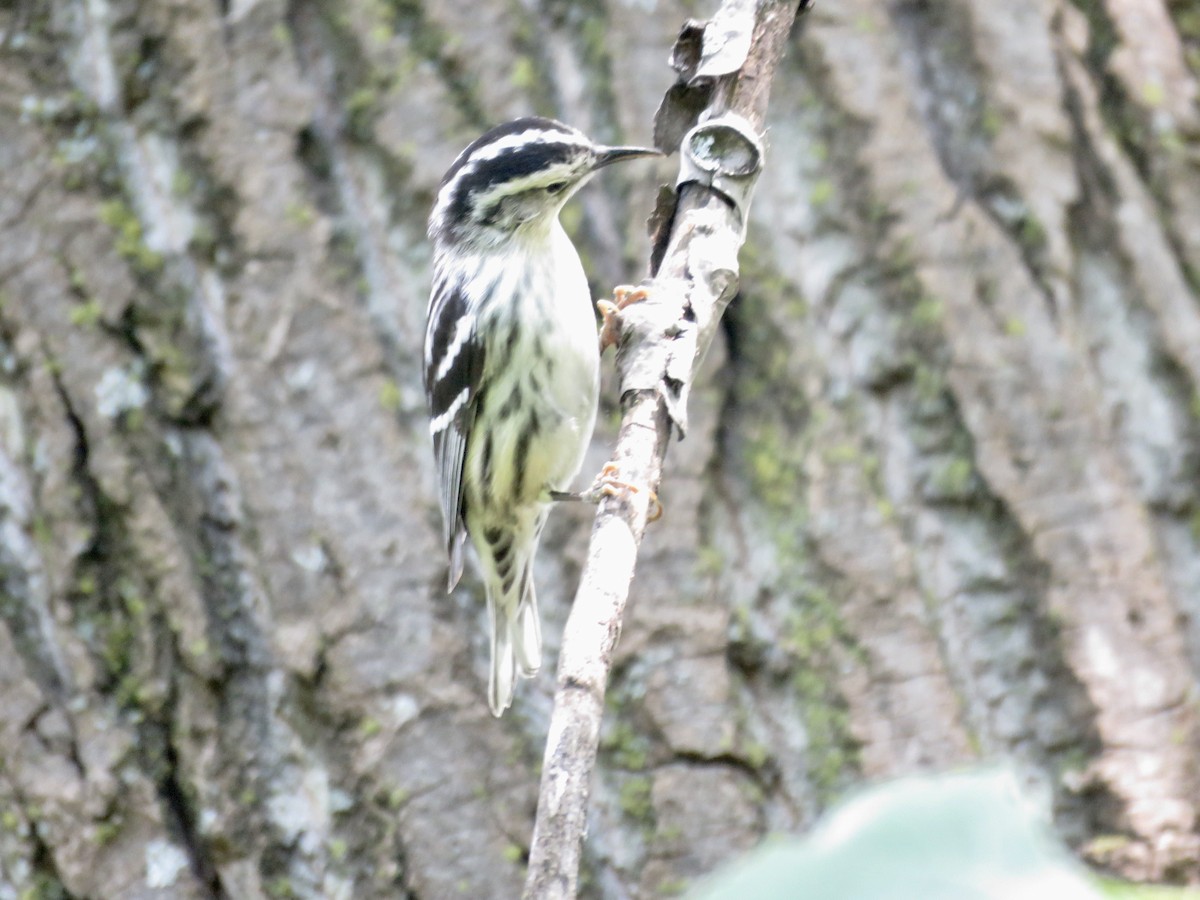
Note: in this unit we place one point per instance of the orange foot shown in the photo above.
(611, 312)
(607, 484)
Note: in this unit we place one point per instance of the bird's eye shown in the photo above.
(556, 188)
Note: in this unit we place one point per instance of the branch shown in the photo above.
(725, 68)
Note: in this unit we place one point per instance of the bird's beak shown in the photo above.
(609, 155)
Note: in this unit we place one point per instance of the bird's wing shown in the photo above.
(453, 371)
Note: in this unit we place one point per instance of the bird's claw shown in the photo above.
(625, 294)
(656, 509)
(608, 485)
(610, 311)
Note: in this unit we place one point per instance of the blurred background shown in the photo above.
(939, 502)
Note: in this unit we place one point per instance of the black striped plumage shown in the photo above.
(447, 378)
(511, 363)
(517, 163)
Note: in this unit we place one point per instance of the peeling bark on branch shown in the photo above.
(663, 341)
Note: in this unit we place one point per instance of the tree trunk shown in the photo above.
(939, 499)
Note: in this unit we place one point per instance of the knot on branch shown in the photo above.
(724, 154)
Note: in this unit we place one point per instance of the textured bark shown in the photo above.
(938, 500)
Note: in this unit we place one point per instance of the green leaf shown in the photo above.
(968, 836)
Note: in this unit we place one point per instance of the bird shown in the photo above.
(511, 363)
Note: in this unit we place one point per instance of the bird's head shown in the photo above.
(516, 178)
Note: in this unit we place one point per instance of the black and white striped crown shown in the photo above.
(506, 153)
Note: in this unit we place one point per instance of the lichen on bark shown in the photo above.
(937, 503)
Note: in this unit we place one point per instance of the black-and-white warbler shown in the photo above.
(511, 363)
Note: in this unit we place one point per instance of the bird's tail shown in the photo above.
(516, 638)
